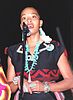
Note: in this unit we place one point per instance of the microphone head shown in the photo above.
(25, 30)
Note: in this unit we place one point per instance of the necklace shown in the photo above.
(33, 58)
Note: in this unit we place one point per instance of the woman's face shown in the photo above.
(31, 18)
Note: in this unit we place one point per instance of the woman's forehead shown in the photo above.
(29, 10)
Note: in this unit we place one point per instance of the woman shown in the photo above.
(45, 62)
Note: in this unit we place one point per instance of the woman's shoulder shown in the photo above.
(55, 42)
(15, 46)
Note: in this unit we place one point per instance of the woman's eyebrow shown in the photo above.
(30, 14)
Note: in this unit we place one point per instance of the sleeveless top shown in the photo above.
(46, 68)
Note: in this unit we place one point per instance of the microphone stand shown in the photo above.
(24, 36)
(61, 40)
(60, 37)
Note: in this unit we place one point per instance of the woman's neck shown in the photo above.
(32, 40)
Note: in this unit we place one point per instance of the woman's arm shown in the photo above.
(66, 72)
(11, 75)
(65, 84)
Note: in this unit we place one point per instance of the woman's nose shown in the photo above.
(29, 20)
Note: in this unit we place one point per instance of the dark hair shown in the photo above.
(33, 6)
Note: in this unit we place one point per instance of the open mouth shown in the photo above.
(30, 26)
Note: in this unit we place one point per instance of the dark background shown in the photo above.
(54, 12)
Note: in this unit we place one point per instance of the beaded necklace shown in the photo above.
(34, 57)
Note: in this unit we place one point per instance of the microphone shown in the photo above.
(25, 30)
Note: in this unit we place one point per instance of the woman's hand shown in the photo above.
(37, 86)
(26, 87)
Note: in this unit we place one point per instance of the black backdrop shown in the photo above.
(54, 12)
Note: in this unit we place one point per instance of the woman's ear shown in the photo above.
(41, 23)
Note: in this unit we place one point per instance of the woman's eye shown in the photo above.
(34, 16)
(24, 18)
